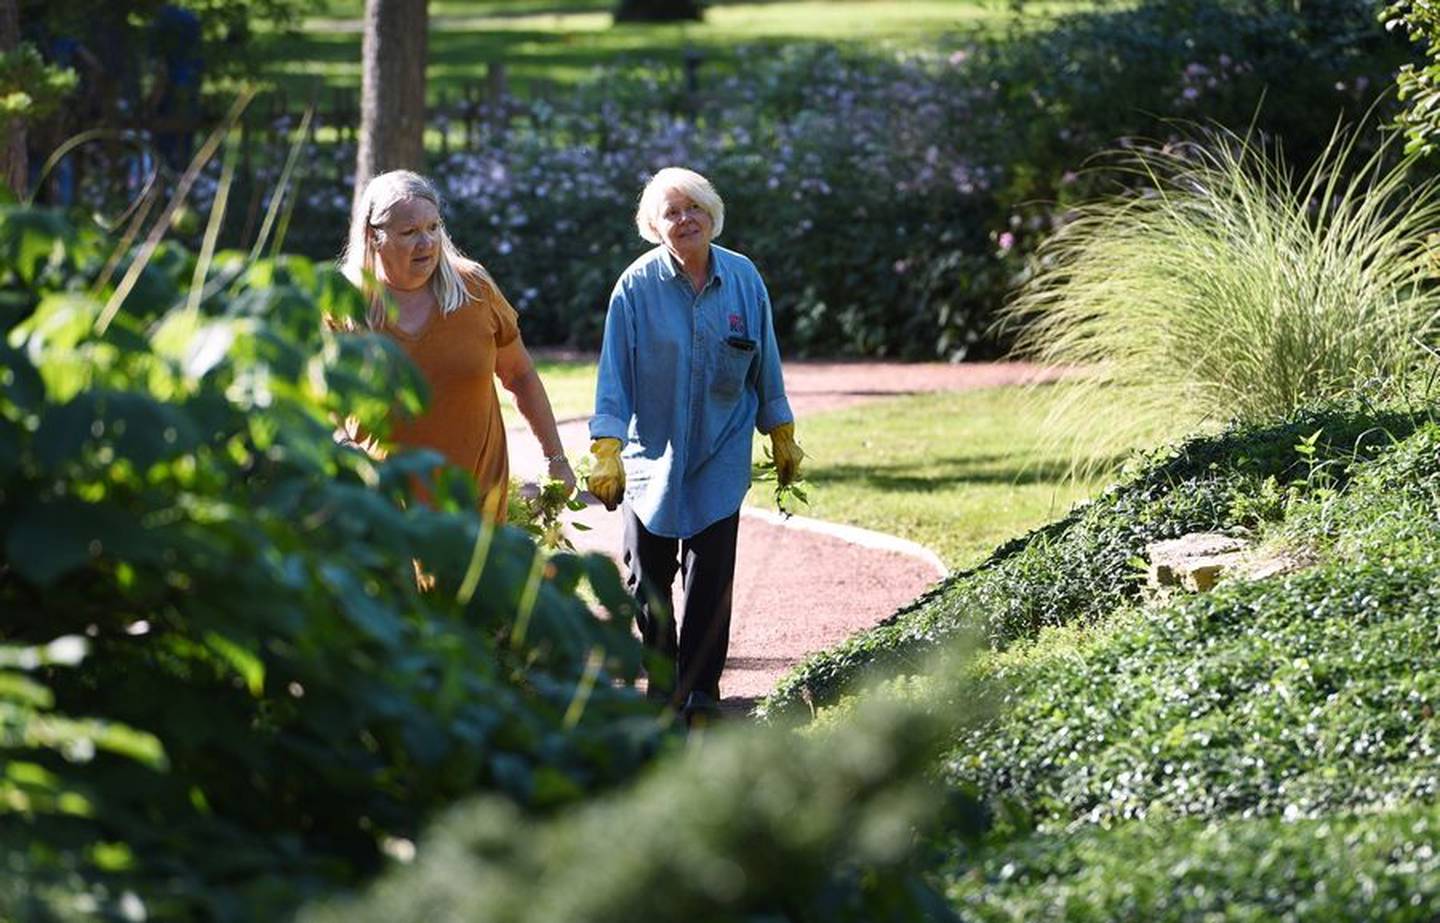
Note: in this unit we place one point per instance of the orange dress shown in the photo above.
(456, 355)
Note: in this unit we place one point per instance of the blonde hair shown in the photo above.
(678, 179)
(455, 276)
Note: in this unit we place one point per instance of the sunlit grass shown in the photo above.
(570, 384)
(562, 43)
(957, 472)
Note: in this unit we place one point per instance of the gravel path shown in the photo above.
(800, 585)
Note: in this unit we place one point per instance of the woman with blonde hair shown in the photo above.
(450, 318)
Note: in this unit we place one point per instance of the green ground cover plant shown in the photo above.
(1214, 757)
(223, 689)
(1081, 567)
(1343, 867)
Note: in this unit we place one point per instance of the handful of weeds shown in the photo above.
(542, 514)
(788, 497)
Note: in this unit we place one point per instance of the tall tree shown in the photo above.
(658, 10)
(392, 89)
(14, 169)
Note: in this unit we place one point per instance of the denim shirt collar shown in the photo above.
(670, 268)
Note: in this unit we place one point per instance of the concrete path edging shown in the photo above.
(855, 535)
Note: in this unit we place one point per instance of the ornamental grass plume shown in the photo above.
(1228, 287)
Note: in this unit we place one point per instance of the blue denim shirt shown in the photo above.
(685, 380)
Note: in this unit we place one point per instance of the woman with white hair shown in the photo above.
(689, 369)
(450, 318)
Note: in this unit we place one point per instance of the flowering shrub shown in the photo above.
(890, 200)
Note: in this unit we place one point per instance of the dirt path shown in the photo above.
(801, 585)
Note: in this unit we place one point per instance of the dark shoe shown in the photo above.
(700, 709)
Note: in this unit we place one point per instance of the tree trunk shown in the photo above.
(14, 168)
(392, 89)
(658, 10)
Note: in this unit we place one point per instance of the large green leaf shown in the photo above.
(30, 241)
(138, 427)
(65, 430)
(363, 610)
(51, 539)
(20, 384)
(194, 342)
(145, 430)
(50, 337)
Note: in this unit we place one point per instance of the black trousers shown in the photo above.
(706, 561)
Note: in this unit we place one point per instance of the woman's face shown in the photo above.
(408, 244)
(684, 226)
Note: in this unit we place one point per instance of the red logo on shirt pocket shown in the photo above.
(737, 323)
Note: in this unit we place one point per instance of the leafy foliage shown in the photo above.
(268, 700)
(1215, 756)
(1346, 867)
(1294, 698)
(895, 197)
(1419, 87)
(1080, 568)
(29, 88)
(750, 824)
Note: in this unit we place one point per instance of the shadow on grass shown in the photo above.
(952, 471)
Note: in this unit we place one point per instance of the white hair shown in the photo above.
(678, 179)
(455, 273)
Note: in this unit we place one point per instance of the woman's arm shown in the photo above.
(517, 373)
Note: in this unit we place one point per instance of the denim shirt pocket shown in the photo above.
(734, 357)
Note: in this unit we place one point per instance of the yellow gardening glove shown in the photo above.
(607, 477)
(786, 453)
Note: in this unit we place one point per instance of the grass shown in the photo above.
(1236, 289)
(562, 43)
(956, 472)
(570, 384)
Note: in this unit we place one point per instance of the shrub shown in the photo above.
(1341, 868)
(890, 200)
(1299, 697)
(1265, 751)
(234, 693)
(750, 824)
(1419, 87)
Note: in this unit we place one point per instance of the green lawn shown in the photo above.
(563, 42)
(570, 383)
(959, 472)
